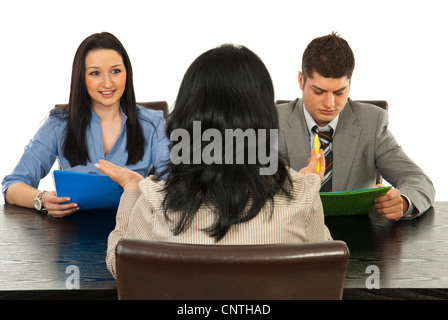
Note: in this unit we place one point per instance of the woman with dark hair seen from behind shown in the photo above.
(221, 201)
(101, 121)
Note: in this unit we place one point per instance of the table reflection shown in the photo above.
(36, 249)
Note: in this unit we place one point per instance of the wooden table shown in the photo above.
(411, 256)
(41, 257)
(37, 255)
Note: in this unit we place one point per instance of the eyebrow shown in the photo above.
(115, 66)
(317, 88)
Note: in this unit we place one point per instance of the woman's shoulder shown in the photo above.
(55, 120)
(149, 115)
(59, 114)
(60, 110)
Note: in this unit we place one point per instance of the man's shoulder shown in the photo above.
(286, 108)
(364, 114)
(286, 104)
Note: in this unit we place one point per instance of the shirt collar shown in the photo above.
(310, 123)
(96, 118)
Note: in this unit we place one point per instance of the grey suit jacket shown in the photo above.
(362, 144)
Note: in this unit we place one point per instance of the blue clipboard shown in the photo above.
(89, 191)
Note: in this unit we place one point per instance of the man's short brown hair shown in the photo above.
(330, 56)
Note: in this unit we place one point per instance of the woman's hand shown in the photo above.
(56, 206)
(126, 178)
(312, 164)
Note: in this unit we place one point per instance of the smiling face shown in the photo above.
(324, 98)
(105, 76)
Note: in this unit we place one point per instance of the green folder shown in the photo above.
(352, 202)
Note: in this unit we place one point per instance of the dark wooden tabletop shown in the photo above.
(40, 257)
(409, 254)
(43, 256)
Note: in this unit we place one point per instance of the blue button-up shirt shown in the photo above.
(46, 147)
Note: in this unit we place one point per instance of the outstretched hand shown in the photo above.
(125, 177)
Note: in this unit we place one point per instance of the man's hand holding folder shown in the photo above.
(392, 205)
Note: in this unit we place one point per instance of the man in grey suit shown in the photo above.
(361, 142)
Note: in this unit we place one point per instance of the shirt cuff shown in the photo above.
(411, 212)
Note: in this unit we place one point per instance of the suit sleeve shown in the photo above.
(399, 170)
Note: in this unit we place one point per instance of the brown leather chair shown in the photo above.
(282, 101)
(379, 103)
(155, 105)
(163, 270)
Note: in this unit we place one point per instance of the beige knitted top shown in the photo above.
(140, 215)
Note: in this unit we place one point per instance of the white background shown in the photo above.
(399, 46)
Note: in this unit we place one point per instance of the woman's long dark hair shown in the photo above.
(79, 110)
(227, 87)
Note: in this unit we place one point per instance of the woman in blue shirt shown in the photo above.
(101, 122)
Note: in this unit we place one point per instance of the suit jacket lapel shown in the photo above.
(345, 143)
(297, 138)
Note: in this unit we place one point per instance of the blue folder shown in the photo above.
(89, 191)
